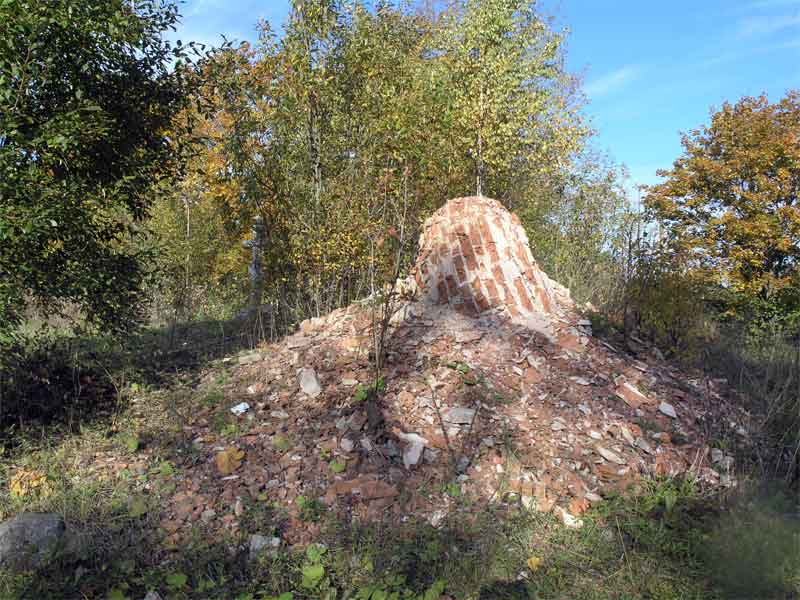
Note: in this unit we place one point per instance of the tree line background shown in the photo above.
(132, 170)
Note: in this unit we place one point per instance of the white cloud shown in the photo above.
(612, 81)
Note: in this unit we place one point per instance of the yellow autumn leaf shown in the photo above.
(229, 460)
(24, 483)
(534, 562)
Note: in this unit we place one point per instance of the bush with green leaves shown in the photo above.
(89, 92)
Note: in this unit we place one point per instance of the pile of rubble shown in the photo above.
(493, 388)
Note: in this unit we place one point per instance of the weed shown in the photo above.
(366, 392)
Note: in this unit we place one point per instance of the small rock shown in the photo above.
(558, 425)
(152, 595)
(595, 435)
(350, 382)
(627, 435)
(279, 414)
(366, 443)
(259, 542)
(415, 446)
(207, 515)
(29, 540)
(462, 465)
(436, 518)
(631, 395)
(609, 455)
(347, 445)
(642, 443)
(430, 455)
(249, 359)
(581, 380)
(459, 415)
(567, 519)
(309, 383)
(717, 455)
(593, 497)
(466, 336)
(240, 409)
(668, 409)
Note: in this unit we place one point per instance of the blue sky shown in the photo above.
(651, 68)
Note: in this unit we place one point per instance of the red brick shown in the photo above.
(525, 301)
(458, 262)
(452, 287)
(497, 273)
(491, 288)
(544, 299)
(442, 289)
(491, 248)
(472, 263)
(475, 239)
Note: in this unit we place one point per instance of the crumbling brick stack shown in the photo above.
(475, 256)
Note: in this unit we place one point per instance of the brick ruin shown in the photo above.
(475, 256)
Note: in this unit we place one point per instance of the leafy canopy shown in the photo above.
(88, 94)
(732, 200)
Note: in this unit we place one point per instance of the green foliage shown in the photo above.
(753, 551)
(496, 57)
(311, 510)
(281, 443)
(350, 129)
(365, 392)
(87, 106)
(730, 201)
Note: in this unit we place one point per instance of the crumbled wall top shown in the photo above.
(475, 255)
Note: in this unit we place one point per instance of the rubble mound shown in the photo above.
(494, 389)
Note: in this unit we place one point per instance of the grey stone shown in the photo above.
(240, 408)
(430, 455)
(414, 447)
(249, 359)
(28, 540)
(627, 435)
(207, 515)
(463, 464)
(610, 456)
(667, 409)
(151, 595)
(309, 383)
(347, 445)
(459, 415)
(466, 336)
(259, 542)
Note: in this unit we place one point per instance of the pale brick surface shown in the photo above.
(475, 256)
